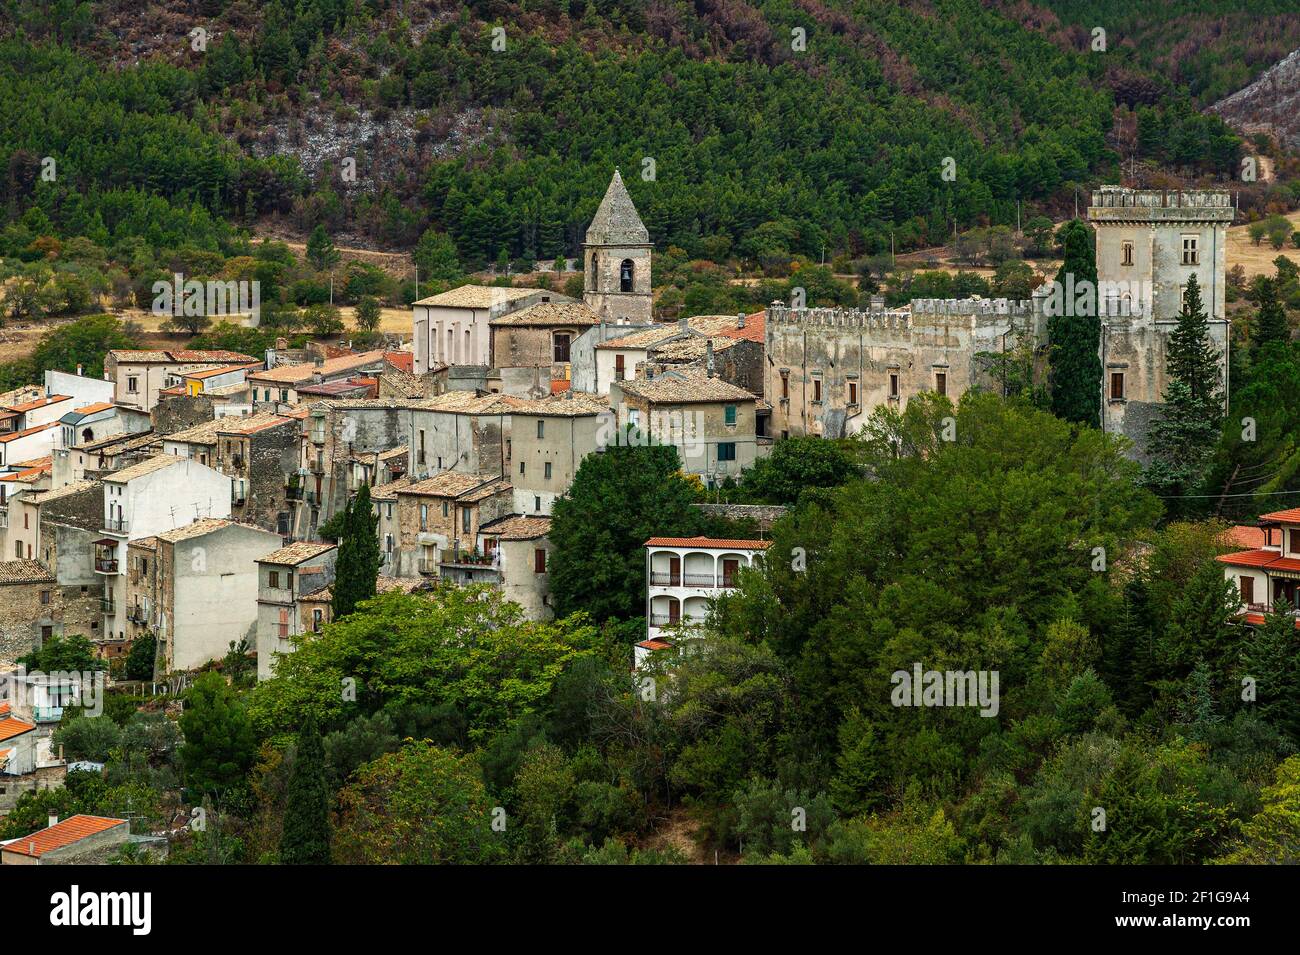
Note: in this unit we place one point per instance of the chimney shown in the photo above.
(54, 820)
(740, 320)
(78, 369)
(708, 357)
(681, 325)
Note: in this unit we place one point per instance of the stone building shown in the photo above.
(438, 519)
(30, 607)
(70, 521)
(138, 375)
(291, 598)
(1149, 243)
(520, 551)
(711, 423)
(829, 368)
(548, 440)
(616, 259)
(452, 327)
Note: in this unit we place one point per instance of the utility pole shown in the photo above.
(331, 287)
(417, 283)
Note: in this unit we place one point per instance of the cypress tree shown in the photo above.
(1270, 321)
(1075, 332)
(358, 559)
(305, 839)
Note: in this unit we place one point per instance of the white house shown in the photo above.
(683, 575)
(158, 494)
(1268, 572)
(452, 328)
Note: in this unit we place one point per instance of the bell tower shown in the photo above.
(616, 260)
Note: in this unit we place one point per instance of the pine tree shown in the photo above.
(1271, 656)
(1075, 333)
(320, 250)
(305, 839)
(1184, 435)
(1270, 321)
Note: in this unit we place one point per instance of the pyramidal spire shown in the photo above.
(616, 221)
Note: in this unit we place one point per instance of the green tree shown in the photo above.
(218, 747)
(418, 806)
(1074, 330)
(358, 559)
(320, 250)
(796, 464)
(1270, 323)
(437, 258)
(84, 342)
(140, 657)
(619, 499)
(305, 839)
(1272, 836)
(367, 313)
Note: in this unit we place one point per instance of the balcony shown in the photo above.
(106, 565)
(664, 620)
(107, 605)
(119, 525)
(665, 580)
(293, 492)
(699, 580)
(4, 515)
(138, 615)
(316, 466)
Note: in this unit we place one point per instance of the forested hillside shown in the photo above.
(738, 133)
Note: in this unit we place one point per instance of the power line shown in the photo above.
(1180, 497)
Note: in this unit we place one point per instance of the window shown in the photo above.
(817, 389)
(785, 385)
(541, 427)
(893, 384)
(132, 385)
(465, 519)
(523, 468)
(1190, 254)
(619, 370)
(729, 414)
(273, 579)
(424, 517)
(562, 346)
(1117, 386)
(1126, 253)
(853, 392)
(539, 560)
(47, 633)
(45, 597)
(419, 457)
(388, 543)
(726, 450)
(1247, 589)
(446, 509)
(288, 580)
(537, 503)
(548, 470)
(284, 394)
(1295, 541)
(634, 417)
(595, 271)
(317, 617)
(941, 382)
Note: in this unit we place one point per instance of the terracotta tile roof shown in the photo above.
(478, 296)
(446, 484)
(204, 433)
(183, 356)
(323, 595)
(403, 383)
(220, 370)
(517, 527)
(24, 572)
(1266, 559)
(678, 388)
(119, 443)
(330, 389)
(253, 423)
(12, 726)
(294, 554)
(405, 584)
(467, 402)
(691, 349)
(655, 645)
(499, 486)
(388, 492)
(714, 542)
(76, 487)
(217, 355)
(403, 361)
(566, 404)
(755, 327)
(5, 439)
(144, 543)
(546, 314)
(63, 834)
(1256, 619)
(39, 403)
(204, 525)
(289, 374)
(147, 466)
(1244, 535)
(93, 409)
(1289, 516)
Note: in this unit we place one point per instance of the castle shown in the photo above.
(829, 369)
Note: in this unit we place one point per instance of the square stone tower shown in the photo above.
(1149, 242)
(616, 260)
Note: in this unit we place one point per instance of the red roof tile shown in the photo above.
(63, 834)
(753, 330)
(1289, 516)
(12, 726)
(714, 542)
(1245, 535)
(1267, 559)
